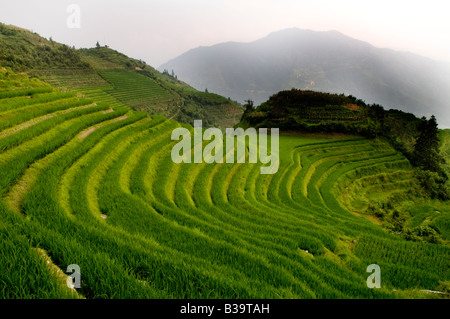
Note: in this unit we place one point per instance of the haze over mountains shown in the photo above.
(321, 61)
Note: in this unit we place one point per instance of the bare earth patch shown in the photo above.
(85, 133)
(88, 131)
(369, 217)
(352, 107)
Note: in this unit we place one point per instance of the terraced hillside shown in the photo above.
(93, 185)
(140, 92)
(106, 75)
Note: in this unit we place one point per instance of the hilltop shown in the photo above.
(319, 61)
(309, 111)
(108, 75)
(312, 111)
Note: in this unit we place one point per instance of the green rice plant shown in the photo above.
(23, 92)
(24, 273)
(95, 185)
(28, 132)
(12, 119)
(14, 161)
(19, 102)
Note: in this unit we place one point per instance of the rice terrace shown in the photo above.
(87, 178)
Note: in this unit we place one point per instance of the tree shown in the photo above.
(248, 106)
(97, 45)
(426, 150)
(426, 156)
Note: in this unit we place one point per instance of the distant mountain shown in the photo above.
(320, 61)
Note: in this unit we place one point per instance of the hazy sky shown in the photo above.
(159, 30)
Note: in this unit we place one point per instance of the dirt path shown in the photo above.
(88, 131)
(177, 112)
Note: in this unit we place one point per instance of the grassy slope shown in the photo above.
(395, 200)
(445, 147)
(94, 185)
(177, 100)
(445, 150)
(87, 71)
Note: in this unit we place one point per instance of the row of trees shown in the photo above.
(427, 157)
(172, 74)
